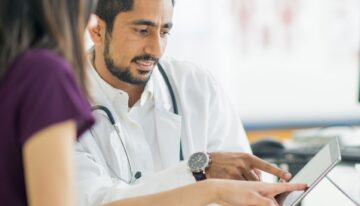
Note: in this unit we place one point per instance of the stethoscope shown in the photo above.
(137, 175)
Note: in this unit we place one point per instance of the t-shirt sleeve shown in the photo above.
(52, 96)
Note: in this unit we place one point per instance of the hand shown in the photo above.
(244, 193)
(241, 166)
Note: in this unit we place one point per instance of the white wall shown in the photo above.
(281, 61)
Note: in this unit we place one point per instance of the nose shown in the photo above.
(155, 46)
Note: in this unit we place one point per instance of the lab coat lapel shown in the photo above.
(168, 124)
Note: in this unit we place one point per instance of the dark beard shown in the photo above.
(124, 74)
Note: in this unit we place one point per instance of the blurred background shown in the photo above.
(291, 68)
(283, 63)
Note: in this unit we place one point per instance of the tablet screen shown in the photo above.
(311, 174)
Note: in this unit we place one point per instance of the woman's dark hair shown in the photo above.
(54, 24)
(107, 10)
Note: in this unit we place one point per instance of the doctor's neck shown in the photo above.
(133, 90)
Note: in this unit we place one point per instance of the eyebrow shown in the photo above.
(150, 23)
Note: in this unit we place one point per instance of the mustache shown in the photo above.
(146, 58)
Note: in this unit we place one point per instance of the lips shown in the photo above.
(145, 65)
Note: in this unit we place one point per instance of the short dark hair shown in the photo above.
(52, 24)
(107, 10)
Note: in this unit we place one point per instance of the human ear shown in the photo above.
(96, 28)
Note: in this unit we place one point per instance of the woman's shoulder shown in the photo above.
(40, 60)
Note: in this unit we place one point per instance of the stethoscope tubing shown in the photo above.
(113, 123)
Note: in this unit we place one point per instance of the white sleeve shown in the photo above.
(211, 123)
(95, 186)
(226, 132)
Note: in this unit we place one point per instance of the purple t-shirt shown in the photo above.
(39, 90)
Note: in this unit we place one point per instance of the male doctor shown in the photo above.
(140, 151)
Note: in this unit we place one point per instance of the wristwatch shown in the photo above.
(197, 163)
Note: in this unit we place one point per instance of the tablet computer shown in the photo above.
(311, 174)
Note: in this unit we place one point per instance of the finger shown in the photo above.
(224, 204)
(236, 176)
(282, 181)
(241, 177)
(251, 175)
(275, 202)
(267, 167)
(258, 173)
(279, 188)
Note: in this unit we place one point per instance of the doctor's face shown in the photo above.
(138, 40)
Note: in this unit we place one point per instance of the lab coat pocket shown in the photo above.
(168, 130)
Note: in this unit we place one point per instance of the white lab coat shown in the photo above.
(206, 122)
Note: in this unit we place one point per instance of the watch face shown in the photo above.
(198, 161)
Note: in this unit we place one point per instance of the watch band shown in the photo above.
(199, 176)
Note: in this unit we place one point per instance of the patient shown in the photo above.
(43, 110)
(42, 106)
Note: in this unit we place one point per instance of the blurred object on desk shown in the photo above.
(267, 147)
(307, 142)
(348, 153)
(348, 135)
(274, 151)
(279, 134)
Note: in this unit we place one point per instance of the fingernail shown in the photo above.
(288, 176)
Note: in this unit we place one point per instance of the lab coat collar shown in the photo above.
(156, 86)
(148, 93)
(97, 94)
(112, 92)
